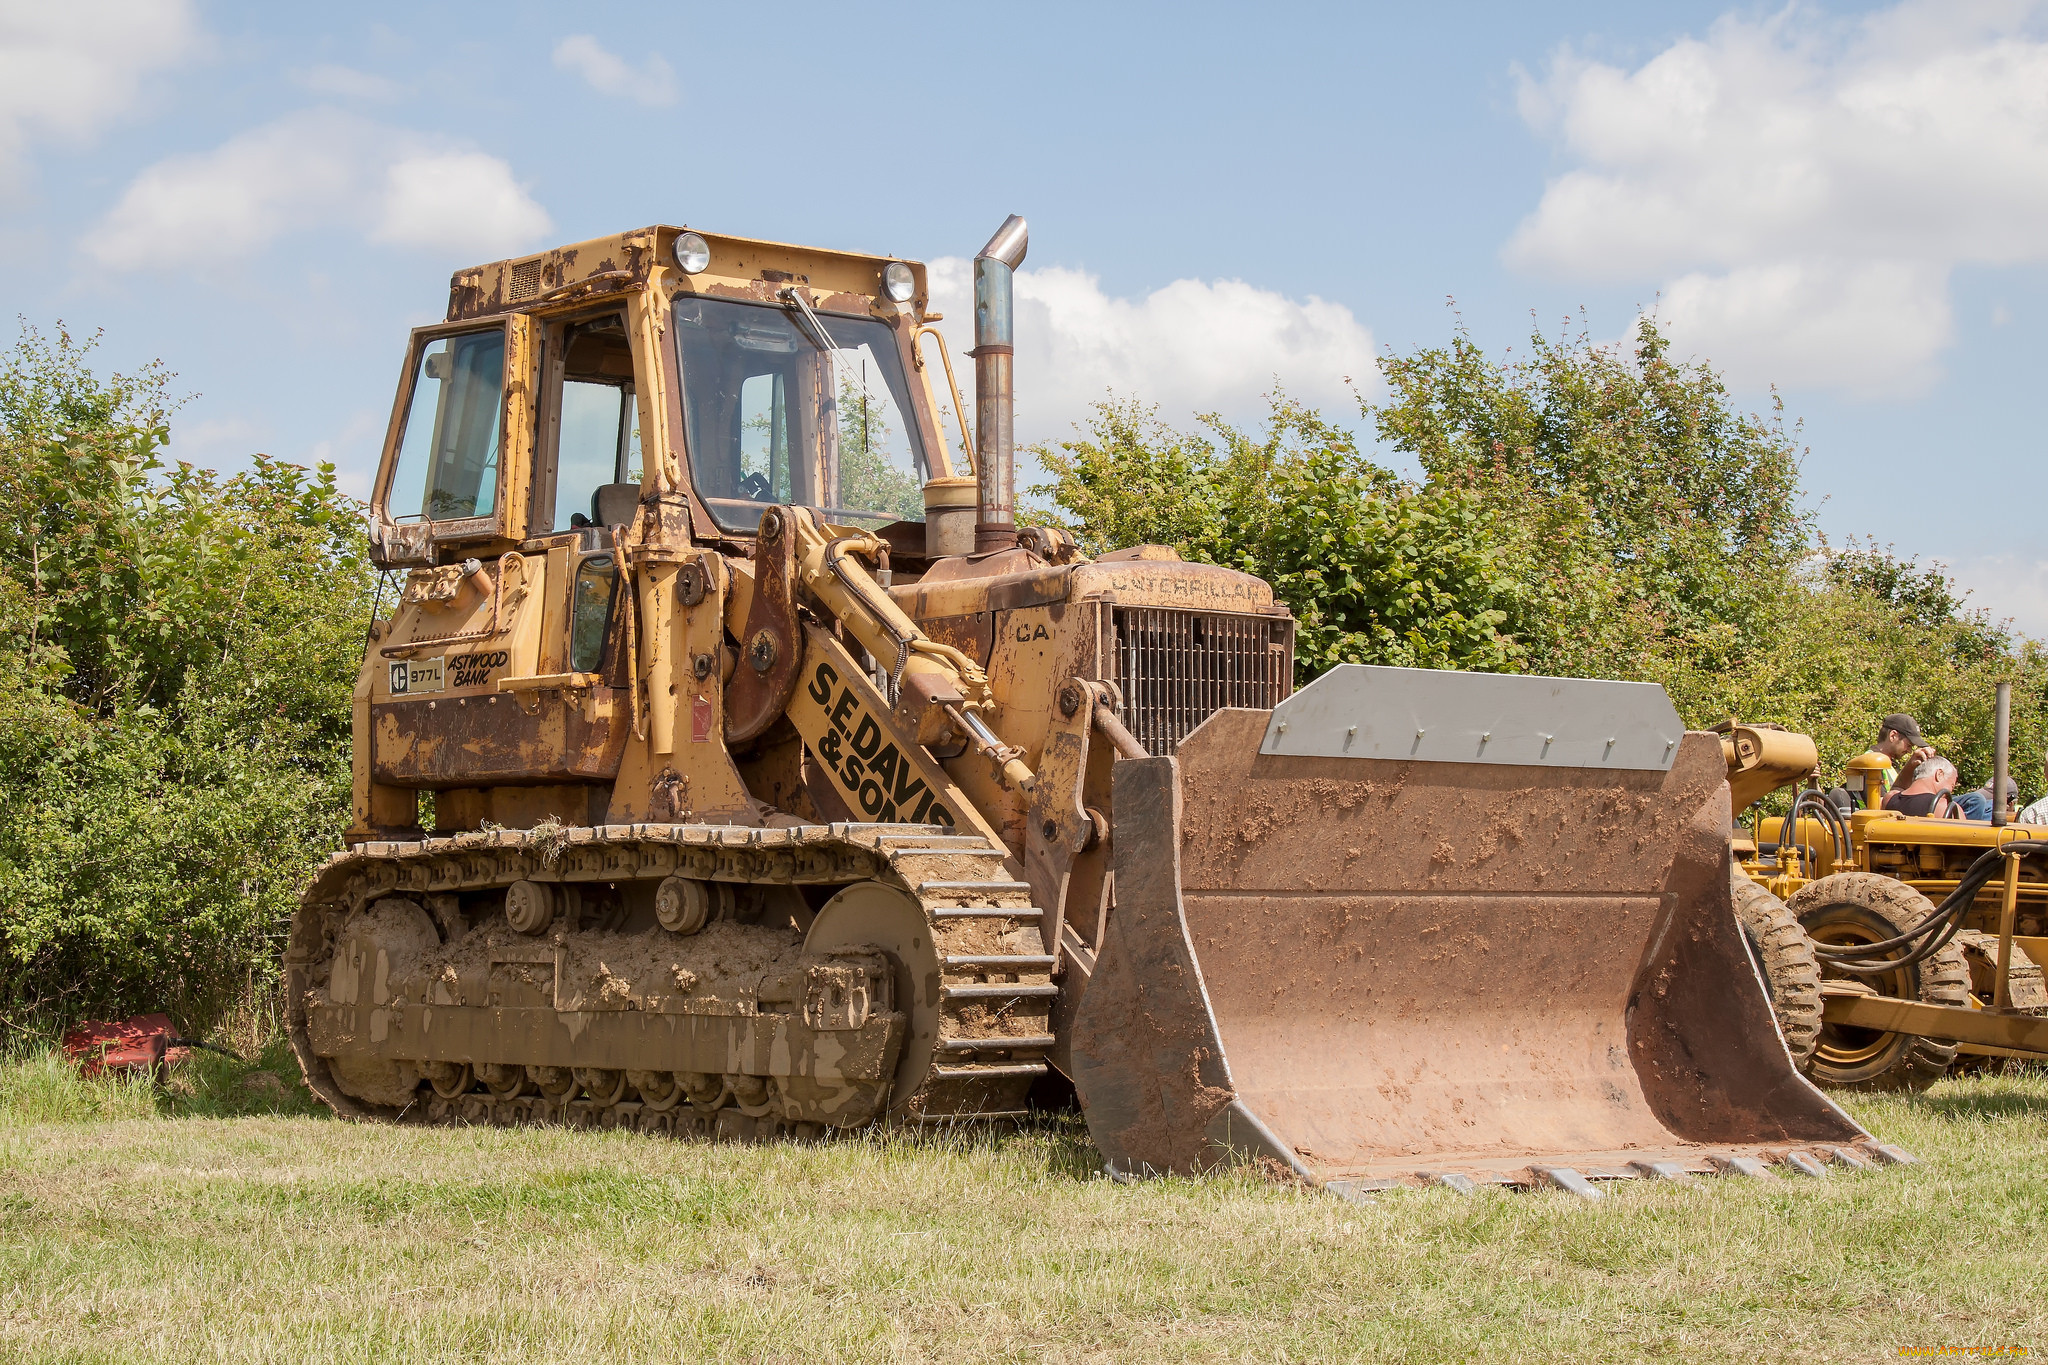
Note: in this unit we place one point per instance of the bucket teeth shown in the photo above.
(1741, 1165)
(1570, 1181)
(1805, 1165)
(1843, 1157)
(1660, 1170)
(1886, 1154)
(1450, 1180)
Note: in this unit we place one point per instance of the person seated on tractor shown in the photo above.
(1900, 746)
(1928, 792)
(2037, 813)
(1976, 805)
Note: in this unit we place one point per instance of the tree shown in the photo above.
(174, 717)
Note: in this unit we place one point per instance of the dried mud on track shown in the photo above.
(314, 1240)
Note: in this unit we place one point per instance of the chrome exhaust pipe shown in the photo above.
(995, 526)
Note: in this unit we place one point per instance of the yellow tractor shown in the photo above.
(781, 784)
(1890, 943)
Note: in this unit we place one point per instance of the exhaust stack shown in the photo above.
(994, 396)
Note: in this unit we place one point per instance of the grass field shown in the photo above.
(229, 1222)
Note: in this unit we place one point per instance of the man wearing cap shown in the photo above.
(1898, 743)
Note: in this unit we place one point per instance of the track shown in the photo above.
(457, 1018)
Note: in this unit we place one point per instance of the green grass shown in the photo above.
(209, 1224)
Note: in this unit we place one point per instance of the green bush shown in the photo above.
(179, 654)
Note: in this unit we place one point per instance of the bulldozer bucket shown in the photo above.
(1416, 926)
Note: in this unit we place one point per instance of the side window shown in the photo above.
(597, 420)
(587, 448)
(590, 614)
(448, 455)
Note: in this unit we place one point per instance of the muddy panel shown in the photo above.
(501, 739)
(1417, 962)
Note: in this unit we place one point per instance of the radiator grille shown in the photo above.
(1177, 667)
(525, 280)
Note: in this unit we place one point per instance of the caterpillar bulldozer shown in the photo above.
(733, 764)
(1892, 945)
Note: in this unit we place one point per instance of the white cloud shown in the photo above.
(345, 82)
(316, 167)
(67, 70)
(1803, 187)
(212, 437)
(2009, 586)
(458, 201)
(652, 83)
(1192, 346)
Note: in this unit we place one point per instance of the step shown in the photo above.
(980, 992)
(1017, 1044)
(994, 1071)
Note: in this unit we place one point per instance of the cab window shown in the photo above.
(783, 409)
(597, 421)
(448, 454)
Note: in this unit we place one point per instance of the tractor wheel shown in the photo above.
(1790, 969)
(1851, 908)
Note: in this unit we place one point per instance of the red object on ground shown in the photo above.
(141, 1043)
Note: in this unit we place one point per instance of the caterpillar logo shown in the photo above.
(410, 677)
(876, 776)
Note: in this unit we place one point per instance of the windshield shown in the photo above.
(777, 412)
(448, 456)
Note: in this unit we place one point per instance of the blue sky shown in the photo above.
(1846, 202)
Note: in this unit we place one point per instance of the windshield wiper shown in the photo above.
(803, 308)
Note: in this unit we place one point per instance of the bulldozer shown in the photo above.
(1893, 945)
(734, 764)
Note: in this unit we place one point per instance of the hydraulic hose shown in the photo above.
(1939, 928)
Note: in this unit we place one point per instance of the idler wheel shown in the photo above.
(870, 917)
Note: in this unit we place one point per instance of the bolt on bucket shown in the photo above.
(1414, 924)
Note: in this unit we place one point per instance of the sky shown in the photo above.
(1840, 207)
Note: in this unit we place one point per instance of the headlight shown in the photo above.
(693, 253)
(898, 281)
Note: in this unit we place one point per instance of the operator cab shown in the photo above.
(781, 375)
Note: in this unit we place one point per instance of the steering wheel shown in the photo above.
(755, 486)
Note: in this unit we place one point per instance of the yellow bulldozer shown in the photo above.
(733, 764)
(1892, 944)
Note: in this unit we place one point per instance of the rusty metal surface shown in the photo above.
(772, 643)
(486, 740)
(1415, 966)
(1146, 1055)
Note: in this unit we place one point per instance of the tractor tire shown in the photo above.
(1791, 972)
(1849, 908)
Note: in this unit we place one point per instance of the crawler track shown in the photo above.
(975, 1036)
